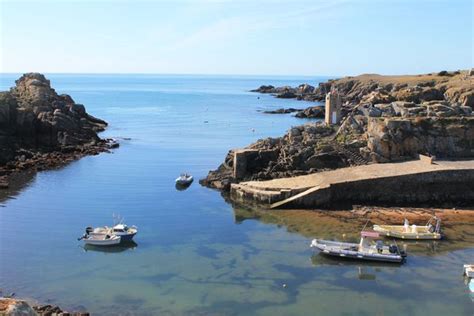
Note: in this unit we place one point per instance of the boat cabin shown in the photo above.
(120, 228)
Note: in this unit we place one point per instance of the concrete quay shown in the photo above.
(418, 181)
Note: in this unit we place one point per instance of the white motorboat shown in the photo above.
(407, 231)
(184, 179)
(125, 232)
(366, 249)
(101, 240)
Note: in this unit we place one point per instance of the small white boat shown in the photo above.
(469, 270)
(407, 231)
(102, 240)
(126, 233)
(366, 249)
(184, 179)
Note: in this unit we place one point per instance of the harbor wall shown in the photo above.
(436, 187)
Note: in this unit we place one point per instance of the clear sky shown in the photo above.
(299, 37)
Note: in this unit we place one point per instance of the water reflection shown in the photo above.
(124, 246)
(366, 271)
(17, 183)
(182, 187)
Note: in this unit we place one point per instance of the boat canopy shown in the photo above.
(369, 234)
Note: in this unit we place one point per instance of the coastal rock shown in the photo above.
(311, 112)
(265, 89)
(16, 307)
(281, 111)
(33, 117)
(286, 94)
(305, 89)
(304, 149)
(13, 307)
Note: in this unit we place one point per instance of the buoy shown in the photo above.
(284, 285)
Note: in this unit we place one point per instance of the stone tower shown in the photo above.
(333, 108)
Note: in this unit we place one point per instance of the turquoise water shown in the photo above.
(191, 256)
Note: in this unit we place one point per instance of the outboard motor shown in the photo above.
(393, 249)
(379, 246)
(88, 231)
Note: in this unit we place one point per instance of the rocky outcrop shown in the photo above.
(394, 139)
(16, 307)
(36, 121)
(282, 111)
(312, 112)
(384, 118)
(302, 92)
(304, 149)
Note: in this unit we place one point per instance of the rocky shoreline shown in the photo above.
(384, 119)
(40, 129)
(12, 306)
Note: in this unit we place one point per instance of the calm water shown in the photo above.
(191, 256)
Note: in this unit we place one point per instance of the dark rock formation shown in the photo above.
(282, 111)
(38, 126)
(265, 89)
(311, 112)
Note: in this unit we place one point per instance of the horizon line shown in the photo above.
(164, 74)
(222, 74)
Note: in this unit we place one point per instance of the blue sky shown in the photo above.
(237, 37)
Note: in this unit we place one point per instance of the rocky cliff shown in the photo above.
(39, 126)
(385, 118)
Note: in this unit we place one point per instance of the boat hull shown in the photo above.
(127, 237)
(102, 242)
(362, 257)
(397, 232)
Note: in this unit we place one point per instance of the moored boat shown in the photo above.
(367, 249)
(184, 179)
(125, 232)
(407, 231)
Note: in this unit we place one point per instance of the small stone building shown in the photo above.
(333, 108)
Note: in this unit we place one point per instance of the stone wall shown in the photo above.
(392, 139)
(433, 188)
